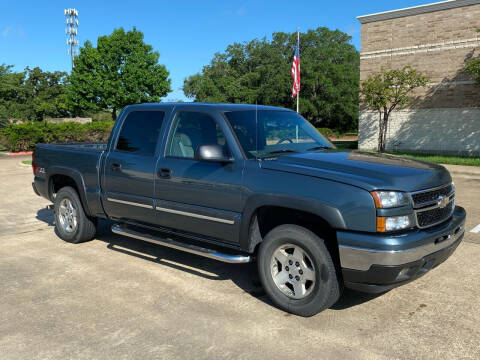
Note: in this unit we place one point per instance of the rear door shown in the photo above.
(197, 196)
(128, 182)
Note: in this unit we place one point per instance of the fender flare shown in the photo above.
(77, 178)
(327, 212)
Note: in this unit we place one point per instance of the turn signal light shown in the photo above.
(381, 224)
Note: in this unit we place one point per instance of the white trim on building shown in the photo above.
(416, 10)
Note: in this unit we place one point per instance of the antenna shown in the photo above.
(256, 127)
(71, 17)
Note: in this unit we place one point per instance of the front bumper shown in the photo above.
(377, 263)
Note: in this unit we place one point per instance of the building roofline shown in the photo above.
(416, 10)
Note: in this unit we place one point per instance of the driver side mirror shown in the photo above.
(212, 153)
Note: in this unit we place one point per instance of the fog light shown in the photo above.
(397, 223)
(394, 223)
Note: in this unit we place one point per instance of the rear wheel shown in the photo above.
(297, 271)
(71, 222)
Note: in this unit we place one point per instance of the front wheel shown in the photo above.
(71, 222)
(297, 271)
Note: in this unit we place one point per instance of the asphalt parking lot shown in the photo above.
(115, 298)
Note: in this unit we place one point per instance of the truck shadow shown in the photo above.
(46, 215)
(245, 276)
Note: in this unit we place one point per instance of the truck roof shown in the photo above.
(200, 105)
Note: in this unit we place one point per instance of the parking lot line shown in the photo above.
(476, 229)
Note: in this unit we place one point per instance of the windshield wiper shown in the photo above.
(282, 151)
(321, 147)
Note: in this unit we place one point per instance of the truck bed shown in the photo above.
(81, 161)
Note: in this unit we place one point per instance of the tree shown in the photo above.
(32, 94)
(46, 94)
(10, 90)
(472, 67)
(389, 90)
(121, 70)
(259, 71)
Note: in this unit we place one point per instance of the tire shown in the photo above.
(71, 222)
(314, 262)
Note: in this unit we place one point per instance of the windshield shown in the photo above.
(275, 132)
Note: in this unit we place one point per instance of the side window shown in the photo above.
(192, 129)
(139, 133)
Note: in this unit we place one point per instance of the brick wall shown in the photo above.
(436, 43)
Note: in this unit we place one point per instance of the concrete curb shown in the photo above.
(21, 153)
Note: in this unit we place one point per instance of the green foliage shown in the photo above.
(101, 116)
(472, 67)
(326, 132)
(120, 71)
(24, 137)
(32, 94)
(389, 90)
(260, 71)
(336, 133)
(346, 145)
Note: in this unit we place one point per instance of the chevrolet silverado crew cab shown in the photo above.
(239, 183)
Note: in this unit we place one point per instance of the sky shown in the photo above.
(185, 33)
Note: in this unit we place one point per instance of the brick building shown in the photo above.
(435, 39)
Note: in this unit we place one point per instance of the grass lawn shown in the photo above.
(27, 162)
(443, 159)
(440, 159)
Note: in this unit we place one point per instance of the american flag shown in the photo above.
(296, 71)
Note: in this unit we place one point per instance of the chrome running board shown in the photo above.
(123, 229)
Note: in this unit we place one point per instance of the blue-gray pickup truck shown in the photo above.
(239, 183)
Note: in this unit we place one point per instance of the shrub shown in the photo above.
(24, 137)
(326, 132)
(336, 133)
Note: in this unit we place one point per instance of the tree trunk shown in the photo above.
(114, 114)
(380, 131)
(385, 128)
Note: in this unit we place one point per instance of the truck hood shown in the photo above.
(370, 171)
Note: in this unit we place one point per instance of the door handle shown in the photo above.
(116, 167)
(164, 173)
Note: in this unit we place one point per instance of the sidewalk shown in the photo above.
(465, 171)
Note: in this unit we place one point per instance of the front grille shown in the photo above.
(429, 196)
(427, 205)
(435, 216)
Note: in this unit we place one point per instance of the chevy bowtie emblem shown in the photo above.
(442, 201)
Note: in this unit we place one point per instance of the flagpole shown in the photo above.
(298, 94)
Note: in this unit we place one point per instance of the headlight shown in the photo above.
(390, 199)
(393, 223)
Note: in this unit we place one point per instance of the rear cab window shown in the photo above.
(140, 132)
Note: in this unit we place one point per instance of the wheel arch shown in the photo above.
(59, 177)
(264, 213)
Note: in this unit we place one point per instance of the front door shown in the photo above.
(128, 180)
(197, 196)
